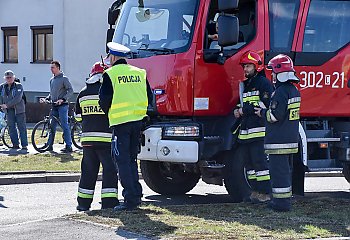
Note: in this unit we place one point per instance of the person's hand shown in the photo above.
(42, 100)
(3, 106)
(257, 111)
(59, 101)
(214, 37)
(238, 113)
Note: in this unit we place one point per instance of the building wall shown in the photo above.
(78, 38)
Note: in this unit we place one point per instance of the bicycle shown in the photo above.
(4, 131)
(42, 129)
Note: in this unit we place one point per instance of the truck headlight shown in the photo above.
(181, 131)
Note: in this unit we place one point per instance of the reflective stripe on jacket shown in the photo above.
(282, 120)
(129, 102)
(257, 91)
(96, 131)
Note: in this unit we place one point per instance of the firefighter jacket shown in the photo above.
(257, 92)
(282, 120)
(96, 131)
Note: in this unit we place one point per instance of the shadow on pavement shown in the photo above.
(129, 235)
(65, 157)
(136, 221)
(13, 152)
(161, 200)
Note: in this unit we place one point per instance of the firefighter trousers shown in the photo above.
(257, 166)
(125, 147)
(281, 180)
(90, 165)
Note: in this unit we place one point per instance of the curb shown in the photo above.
(40, 178)
(34, 172)
(324, 174)
(28, 177)
(8, 178)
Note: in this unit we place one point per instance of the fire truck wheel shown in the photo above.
(346, 171)
(235, 178)
(168, 179)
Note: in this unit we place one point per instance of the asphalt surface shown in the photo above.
(58, 229)
(36, 210)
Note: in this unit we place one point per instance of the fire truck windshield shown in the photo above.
(157, 26)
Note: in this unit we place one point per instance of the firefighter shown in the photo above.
(282, 130)
(96, 141)
(255, 90)
(125, 94)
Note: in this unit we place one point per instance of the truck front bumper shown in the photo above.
(154, 148)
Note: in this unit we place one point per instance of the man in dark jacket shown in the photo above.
(96, 140)
(255, 91)
(282, 130)
(11, 100)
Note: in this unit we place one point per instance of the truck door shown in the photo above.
(322, 58)
(215, 85)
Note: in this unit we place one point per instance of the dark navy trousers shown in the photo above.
(125, 147)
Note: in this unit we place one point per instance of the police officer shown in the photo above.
(125, 94)
(282, 130)
(96, 140)
(256, 92)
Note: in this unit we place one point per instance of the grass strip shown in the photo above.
(310, 218)
(42, 161)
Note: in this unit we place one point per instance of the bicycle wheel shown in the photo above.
(40, 135)
(6, 138)
(76, 134)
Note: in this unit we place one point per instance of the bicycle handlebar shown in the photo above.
(55, 103)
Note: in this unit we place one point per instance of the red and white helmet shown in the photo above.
(252, 58)
(95, 73)
(283, 66)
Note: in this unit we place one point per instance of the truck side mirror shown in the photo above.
(228, 30)
(109, 37)
(113, 15)
(228, 6)
(114, 11)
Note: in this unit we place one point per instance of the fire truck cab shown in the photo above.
(195, 80)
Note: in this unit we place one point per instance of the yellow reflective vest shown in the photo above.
(129, 102)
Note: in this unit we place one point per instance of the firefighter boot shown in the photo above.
(273, 206)
(257, 197)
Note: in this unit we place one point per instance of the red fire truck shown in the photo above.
(196, 83)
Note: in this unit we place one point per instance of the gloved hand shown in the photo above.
(248, 109)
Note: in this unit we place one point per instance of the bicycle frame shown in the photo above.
(50, 118)
(2, 131)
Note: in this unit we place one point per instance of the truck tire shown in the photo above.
(168, 179)
(346, 171)
(235, 177)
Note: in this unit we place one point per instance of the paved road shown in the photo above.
(27, 208)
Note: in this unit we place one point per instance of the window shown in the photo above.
(283, 14)
(10, 44)
(327, 26)
(247, 27)
(156, 27)
(42, 44)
